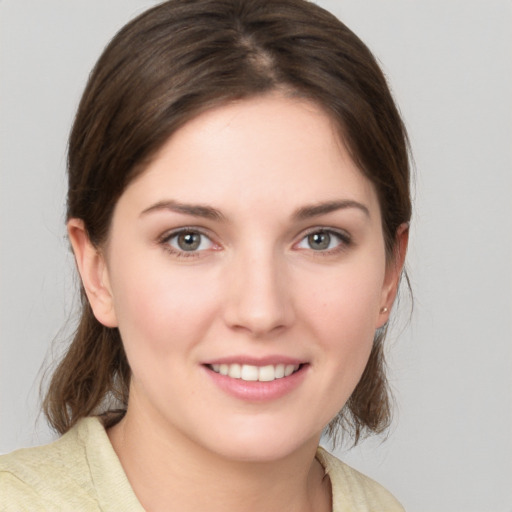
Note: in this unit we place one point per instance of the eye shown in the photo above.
(188, 240)
(324, 240)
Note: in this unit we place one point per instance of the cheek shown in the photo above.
(160, 308)
(343, 317)
(343, 312)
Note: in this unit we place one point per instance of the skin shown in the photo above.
(255, 287)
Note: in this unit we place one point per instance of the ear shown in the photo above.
(94, 273)
(393, 273)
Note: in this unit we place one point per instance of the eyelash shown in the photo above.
(165, 241)
(344, 241)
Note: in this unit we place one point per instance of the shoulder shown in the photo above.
(72, 473)
(352, 491)
(45, 477)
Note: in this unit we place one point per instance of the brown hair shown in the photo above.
(167, 66)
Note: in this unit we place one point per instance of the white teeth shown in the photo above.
(235, 371)
(252, 373)
(267, 373)
(249, 372)
(289, 369)
(279, 371)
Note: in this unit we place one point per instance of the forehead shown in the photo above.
(270, 150)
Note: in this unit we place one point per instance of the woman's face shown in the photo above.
(246, 268)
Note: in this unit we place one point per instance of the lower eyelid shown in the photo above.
(344, 238)
(165, 240)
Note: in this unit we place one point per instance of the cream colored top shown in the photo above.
(80, 472)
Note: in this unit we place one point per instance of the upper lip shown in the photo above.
(256, 361)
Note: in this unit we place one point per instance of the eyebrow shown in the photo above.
(197, 210)
(208, 212)
(307, 212)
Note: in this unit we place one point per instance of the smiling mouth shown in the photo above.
(251, 373)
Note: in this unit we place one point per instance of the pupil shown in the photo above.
(319, 241)
(189, 241)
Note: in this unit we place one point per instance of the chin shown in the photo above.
(262, 444)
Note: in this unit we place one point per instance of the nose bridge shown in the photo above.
(259, 299)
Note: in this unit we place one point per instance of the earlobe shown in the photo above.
(393, 273)
(93, 272)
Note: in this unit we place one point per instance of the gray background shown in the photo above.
(449, 64)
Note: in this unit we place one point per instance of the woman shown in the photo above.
(238, 208)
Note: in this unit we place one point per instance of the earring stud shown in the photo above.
(384, 309)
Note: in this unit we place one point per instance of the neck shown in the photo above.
(166, 467)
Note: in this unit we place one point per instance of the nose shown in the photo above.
(259, 298)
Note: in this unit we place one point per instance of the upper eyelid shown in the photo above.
(184, 229)
(165, 242)
(345, 240)
(343, 233)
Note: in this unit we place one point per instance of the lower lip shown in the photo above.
(256, 391)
